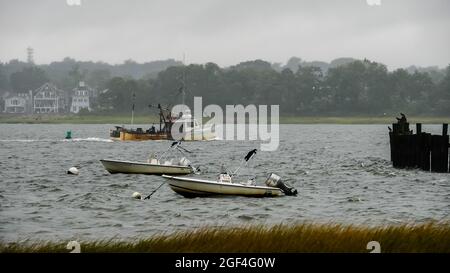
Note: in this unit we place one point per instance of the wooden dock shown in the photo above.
(420, 150)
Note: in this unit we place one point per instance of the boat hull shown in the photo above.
(131, 136)
(190, 187)
(114, 166)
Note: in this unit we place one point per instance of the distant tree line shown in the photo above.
(343, 87)
(20, 76)
(354, 88)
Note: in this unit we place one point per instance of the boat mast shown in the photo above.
(132, 109)
(160, 116)
(184, 80)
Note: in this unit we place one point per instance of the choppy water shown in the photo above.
(342, 172)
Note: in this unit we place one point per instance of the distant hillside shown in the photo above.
(435, 73)
(18, 76)
(294, 62)
(67, 72)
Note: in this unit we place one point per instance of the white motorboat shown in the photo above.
(224, 185)
(193, 187)
(117, 166)
(154, 165)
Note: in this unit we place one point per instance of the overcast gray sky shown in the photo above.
(397, 33)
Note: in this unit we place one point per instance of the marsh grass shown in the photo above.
(430, 237)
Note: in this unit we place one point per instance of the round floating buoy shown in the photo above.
(137, 195)
(73, 171)
(354, 199)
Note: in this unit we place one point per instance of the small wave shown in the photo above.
(25, 140)
(354, 199)
(93, 139)
(245, 217)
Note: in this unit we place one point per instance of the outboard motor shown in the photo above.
(275, 181)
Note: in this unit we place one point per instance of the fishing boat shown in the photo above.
(187, 128)
(125, 134)
(162, 133)
(154, 165)
(225, 185)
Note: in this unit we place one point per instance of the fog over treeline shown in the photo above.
(345, 86)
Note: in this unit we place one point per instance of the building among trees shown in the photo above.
(49, 99)
(81, 97)
(20, 103)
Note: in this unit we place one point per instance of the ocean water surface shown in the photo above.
(342, 172)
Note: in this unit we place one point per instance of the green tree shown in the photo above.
(4, 83)
(293, 64)
(442, 96)
(411, 92)
(359, 87)
(121, 95)
(29, 78)
(309, 86)
(99, 78)
(345, 84)
(349, 88)
(76, 75)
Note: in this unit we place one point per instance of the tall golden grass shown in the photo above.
(330, 238)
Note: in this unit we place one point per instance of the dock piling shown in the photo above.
(421, 150)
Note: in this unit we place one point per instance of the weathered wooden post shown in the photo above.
(425, 141)
(418, 128)
(393, 136)
(395, 128)
(420, 150)
(439, 151)
(411, 151)
(435, 153)
(445, 147)
(391, 145)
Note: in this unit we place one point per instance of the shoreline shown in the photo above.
(431, 237)
(126, 120)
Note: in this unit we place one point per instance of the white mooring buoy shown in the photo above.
(137, 195)
(73, 171)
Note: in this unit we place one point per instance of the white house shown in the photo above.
(49, 99)
(18, 104)
(81, 98)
